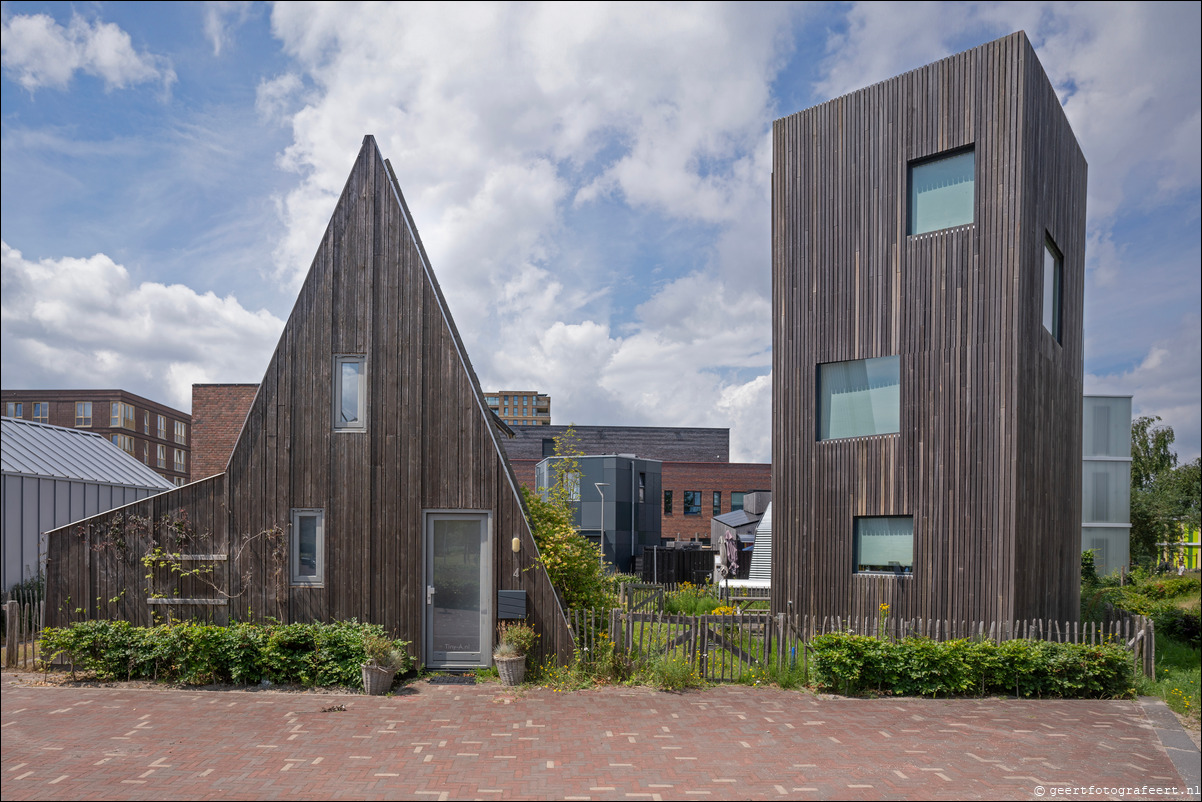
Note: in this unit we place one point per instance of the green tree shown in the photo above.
(572, 562)
(1164, 497)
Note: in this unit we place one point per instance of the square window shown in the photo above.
(692, 502)
(307, 547)
(859, 398)
(884, 544)
(350, 392)
(1053, 280)
(941, 192)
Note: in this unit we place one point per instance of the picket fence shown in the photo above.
(24, 617)
(726, 648)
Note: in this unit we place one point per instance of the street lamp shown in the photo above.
(600, 485)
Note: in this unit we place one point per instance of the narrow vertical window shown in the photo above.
(181, 433)
(941, 192)
(181, 464)
(1053, 281)
(717, 509)
(162, 456)
(667, 502)
(307, 547)
(350, 392)
(161, 421)
(642, 487)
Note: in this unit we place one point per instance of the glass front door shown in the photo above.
(458, 590)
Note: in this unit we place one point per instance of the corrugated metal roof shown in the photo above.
(38, 449)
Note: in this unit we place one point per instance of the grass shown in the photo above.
(1178, 678)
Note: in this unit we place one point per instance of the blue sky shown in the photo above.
(591, 182)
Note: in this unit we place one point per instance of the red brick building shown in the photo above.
(156, 434)
(218, 412)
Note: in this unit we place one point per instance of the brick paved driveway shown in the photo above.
(485, 742)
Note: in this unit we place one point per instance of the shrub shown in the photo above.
(855, 664)
(192, 653)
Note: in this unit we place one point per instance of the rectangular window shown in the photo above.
(350, 392)
(667, 502)
(571, 480)
(162, 456)
(181, 465)
(717, 510)
(307, 547)
(859, 398)
(181, 433)
(736, 500)
(941, 192)
(642, 488)
(146, 453)
(884, 544)
(161, 422)
(41, 411)
(124, 442)
(145, 423)
(14, 409)
(1053, 281)
(83, 413)
(692, 502)
(121, 416)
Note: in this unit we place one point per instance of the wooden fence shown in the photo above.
(24, 617)
(726, 648)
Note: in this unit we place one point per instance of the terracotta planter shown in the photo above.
(376, 680)
(511, 669)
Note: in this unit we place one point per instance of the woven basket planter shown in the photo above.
(377, 681)
(511, 669)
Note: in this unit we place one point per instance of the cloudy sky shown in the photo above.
(591, 183)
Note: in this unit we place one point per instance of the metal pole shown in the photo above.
(600, 485)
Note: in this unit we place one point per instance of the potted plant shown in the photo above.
(384, 660)
(514, 643)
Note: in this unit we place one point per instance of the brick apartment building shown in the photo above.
(520, 407)
(218, 412)
(158, 435)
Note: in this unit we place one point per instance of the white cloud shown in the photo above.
(81, 322)
(39, 52)
(274, 97)
(221, 18)
(1159, 385)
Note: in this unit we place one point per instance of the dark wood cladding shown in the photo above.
(675, 443)
(428, 444)
(986, 460)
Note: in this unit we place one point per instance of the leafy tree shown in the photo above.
(1164, 497)
(573, 563)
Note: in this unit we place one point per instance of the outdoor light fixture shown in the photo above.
(516, 545)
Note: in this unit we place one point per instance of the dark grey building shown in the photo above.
(624, 513)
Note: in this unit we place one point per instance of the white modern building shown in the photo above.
(1106, 481)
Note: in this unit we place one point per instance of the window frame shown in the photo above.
(181, 432)
(160, 455)
(717, 504)
(41, 412)
(695, 507)
(906, 570)
(160, 424)
(360, 422)
(737, 504)
(14, 409)
(667, 502)
(1056, 289)
(180, 460)
(930, 160)
(83, 414)
(820, 393)
(319, 559)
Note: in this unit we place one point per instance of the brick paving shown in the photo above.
(436, 742)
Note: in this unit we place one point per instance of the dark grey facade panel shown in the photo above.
(667, 443)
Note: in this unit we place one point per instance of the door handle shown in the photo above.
(429, 594)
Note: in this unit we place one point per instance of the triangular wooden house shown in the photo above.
(369, 481)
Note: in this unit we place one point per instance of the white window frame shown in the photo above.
(181, 433)
(181, 460)
(318, 580)
(360, 424)
(160, 423)
(161, 455)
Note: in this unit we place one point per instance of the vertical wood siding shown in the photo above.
(428, 443)
(986, 457)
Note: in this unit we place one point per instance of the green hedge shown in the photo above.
(856, 664)
(200, 654)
